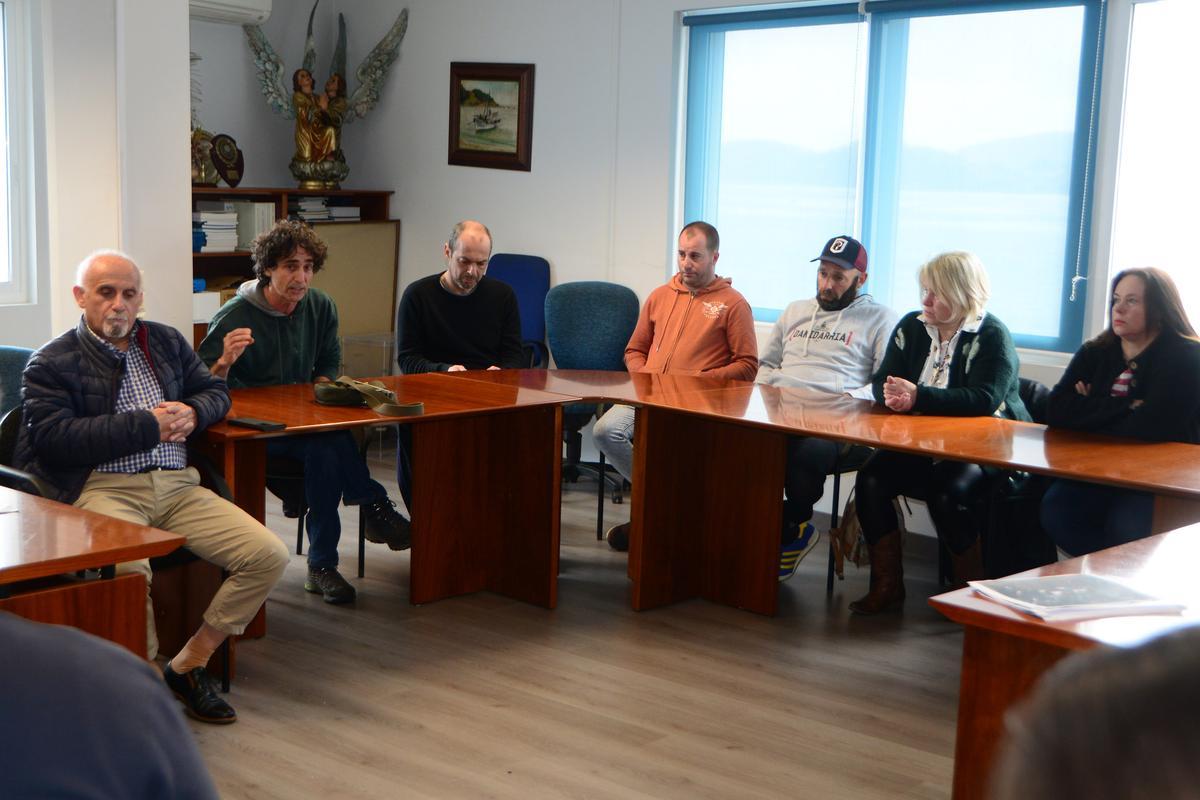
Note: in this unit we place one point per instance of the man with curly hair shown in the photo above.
(280, 330)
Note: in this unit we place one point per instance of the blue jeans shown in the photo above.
(613, 435)
(334, 471)
(1082, 518)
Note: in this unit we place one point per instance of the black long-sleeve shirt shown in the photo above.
(1166, 378)
(436, 329)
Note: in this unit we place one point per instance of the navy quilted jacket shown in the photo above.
(71, 389)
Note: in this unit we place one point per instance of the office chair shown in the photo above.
(1013, 537)
(529, 277)
(285, 480)
(12, 364)
(588, 325)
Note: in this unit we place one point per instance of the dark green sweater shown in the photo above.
(293, 348)
(983, 371)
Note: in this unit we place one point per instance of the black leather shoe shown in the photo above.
(618, 537)
(386, 525)
(329, 582)
(197, 690)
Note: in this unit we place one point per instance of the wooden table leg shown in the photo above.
(997, 671)
(113, 609)
(486, 505)
(1174, 512)
(706, 511)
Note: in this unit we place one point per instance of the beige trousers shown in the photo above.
(216, 530)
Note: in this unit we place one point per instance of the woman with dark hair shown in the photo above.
(951, 358)
(1139, 378)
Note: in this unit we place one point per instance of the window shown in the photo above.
(15, 267)
(1156, 200)
(920, 127)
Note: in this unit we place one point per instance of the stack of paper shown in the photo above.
(1057, 598)
(345, 213)
(219, 229)
(309, 209)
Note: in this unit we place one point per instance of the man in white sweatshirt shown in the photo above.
(832, 343)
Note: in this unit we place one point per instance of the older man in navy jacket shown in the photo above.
(107, 409)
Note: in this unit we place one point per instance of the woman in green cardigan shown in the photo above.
(950, 358)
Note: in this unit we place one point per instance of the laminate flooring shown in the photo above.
(486, 697)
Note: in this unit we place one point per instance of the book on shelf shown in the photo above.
(345, 213)
(309, 209)
(1061, 598)
(214, 205)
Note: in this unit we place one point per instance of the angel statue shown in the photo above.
(319, 162)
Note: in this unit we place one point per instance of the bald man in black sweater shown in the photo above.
(454, 321)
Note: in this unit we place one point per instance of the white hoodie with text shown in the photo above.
(830, 351)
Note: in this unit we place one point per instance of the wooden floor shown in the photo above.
(481, 696)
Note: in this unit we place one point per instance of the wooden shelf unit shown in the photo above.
(372, 203)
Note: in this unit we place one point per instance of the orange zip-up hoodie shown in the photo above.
(681, 332)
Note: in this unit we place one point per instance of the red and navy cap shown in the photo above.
(845, 251)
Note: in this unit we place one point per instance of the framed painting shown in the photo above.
(491, 115)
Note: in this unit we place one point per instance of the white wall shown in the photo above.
(597, 202)
(112, 78)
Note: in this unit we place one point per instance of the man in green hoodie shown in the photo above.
(280, 330)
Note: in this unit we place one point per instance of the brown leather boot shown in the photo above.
(887, 578)
(967, 565)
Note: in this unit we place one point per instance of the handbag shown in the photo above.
(347, 391)
(848, 542)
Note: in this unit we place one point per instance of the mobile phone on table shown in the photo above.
(256, 424)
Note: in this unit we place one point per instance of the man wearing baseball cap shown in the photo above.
(831, 343)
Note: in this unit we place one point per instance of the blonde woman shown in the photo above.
(951, 358)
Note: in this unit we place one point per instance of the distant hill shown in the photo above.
(1036, 163)
(475, 97)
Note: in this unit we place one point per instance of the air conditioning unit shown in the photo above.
(239, 12)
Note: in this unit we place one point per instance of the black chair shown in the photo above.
(1013, 537)
(1036, 396)
(588, 325)
(285, 480)
(22, 481)
(10, 429)
(12, 364)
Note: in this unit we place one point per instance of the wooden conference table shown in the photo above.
(1005, 651)
(708, 472)
(42, 540)
(709, 462)
(487, 456)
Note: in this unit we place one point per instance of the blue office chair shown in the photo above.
(529, 277)
(588, 324)
(12, 364)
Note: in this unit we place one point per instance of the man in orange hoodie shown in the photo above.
(697, 324)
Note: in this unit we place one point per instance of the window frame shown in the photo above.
(702, 115)
(16, 116)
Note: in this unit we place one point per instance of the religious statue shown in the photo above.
(319, 162)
